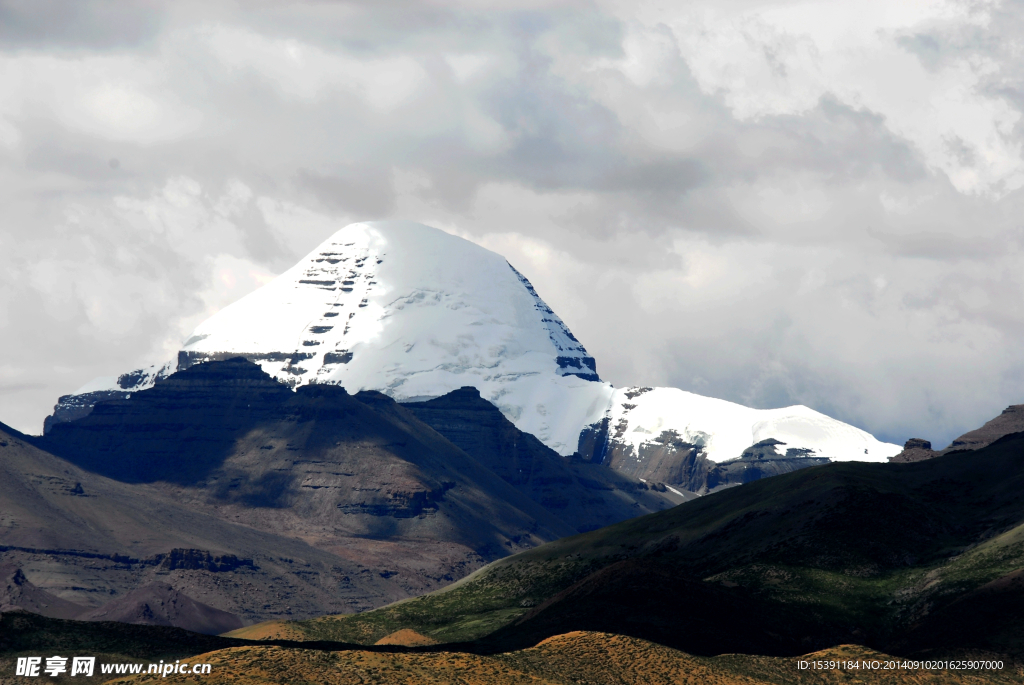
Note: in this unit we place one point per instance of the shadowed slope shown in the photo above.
(315, 463)
(254, 500)
(584, 495)
(845, 553)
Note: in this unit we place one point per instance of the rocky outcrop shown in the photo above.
(199, 560)
(760, 460)
(915, 449)
(670, 460)
(1011, 420)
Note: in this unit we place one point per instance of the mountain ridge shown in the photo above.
(356, 496)
(416, 313)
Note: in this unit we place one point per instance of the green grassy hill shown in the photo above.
(884, 555)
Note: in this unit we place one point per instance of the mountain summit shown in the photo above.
(416, 313)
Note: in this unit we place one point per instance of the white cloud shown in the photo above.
(771, 202)
(774, 58)
(298, 70)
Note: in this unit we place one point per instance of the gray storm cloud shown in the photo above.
(767, 203)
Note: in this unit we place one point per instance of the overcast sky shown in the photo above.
(773, 203)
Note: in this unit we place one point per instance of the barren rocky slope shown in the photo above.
(85, 540)
(1011, 420)
(242, 496)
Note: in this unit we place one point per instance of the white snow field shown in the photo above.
(725, 429)
(415, 312)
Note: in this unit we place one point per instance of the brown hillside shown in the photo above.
(406, 638)
(592, 658)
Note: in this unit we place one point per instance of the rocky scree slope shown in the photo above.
(73, 541)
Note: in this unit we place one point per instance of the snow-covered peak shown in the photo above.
(398, 306)
(415, 312)
(640, 416)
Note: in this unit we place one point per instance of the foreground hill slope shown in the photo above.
(579, 657)
(876, 554)
(569, 659)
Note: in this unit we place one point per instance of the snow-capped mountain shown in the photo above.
(416, 313)
(640, 417)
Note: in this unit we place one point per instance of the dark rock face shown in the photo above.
(574, 360)
(200, 560)
(235, 437)
(760, 460)
(73, 407)
(1011, 420)
(178, 431)
(582, 367)
(670, 460)
(592, 446)
(584, 495)
(403, 505)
